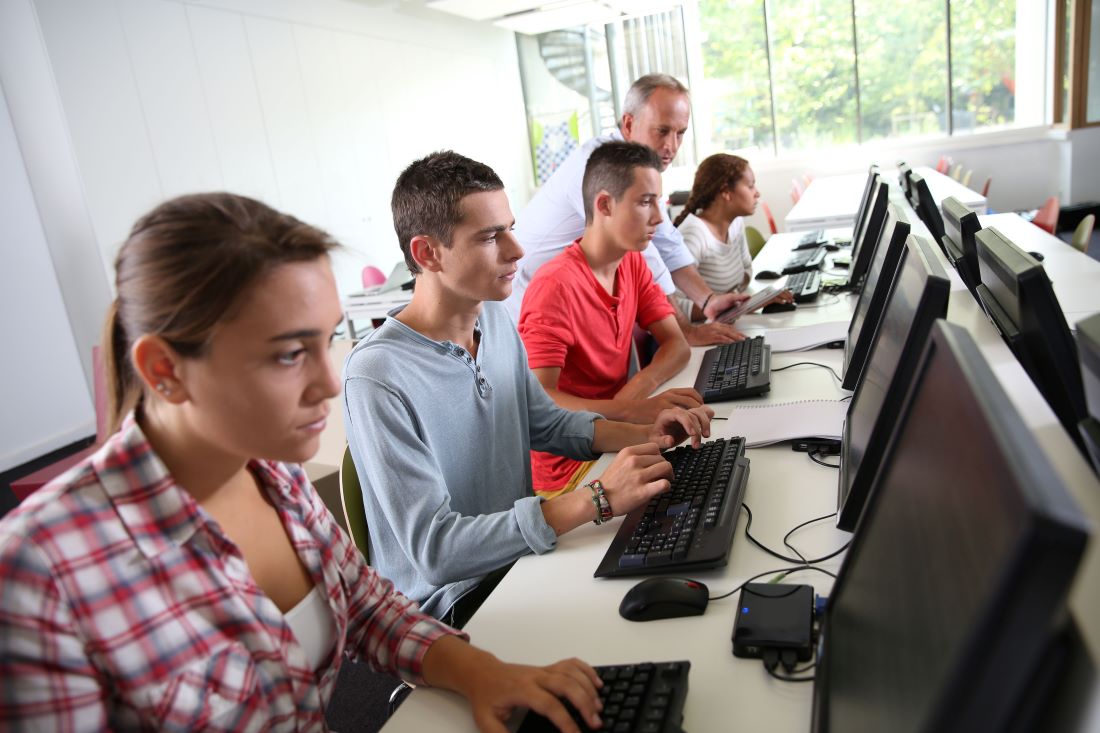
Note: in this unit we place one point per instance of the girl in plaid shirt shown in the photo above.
(187, 576)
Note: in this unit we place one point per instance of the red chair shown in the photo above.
(944, 165)
(373, 276)
(771, 219)
(32, 482)
(985, 187)
(1047, 217)
(796, 190)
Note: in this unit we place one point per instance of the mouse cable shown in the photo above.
(813, 457)
(809, 363)
(800, 559)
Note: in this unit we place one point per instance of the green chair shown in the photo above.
(1083, 233)
(756, 240)
(351, 499)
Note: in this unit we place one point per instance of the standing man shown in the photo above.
(656, 114)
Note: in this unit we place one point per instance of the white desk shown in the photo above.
(833, 201)
(550, 607)
(370, 304)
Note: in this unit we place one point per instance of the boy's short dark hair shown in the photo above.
(428, 195)
(611, 168)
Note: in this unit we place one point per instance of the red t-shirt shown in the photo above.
(569, 321)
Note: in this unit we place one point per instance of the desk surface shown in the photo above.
(550, 607)
(832, 201)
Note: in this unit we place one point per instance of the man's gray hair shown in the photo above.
(641, 90)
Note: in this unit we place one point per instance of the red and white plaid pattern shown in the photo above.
(123, 606)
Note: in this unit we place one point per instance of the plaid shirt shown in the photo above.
(123, 606)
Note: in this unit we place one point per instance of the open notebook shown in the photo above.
(776, 422)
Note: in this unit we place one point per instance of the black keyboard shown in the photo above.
(810, 240)
(690, 526)
(807, 260)
(647, 698)
(732, 371)
(804, 285)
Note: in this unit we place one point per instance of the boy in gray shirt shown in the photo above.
(441, 410)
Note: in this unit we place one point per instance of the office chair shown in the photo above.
(771, 219)
(956, 172)
(755, 239)
(796, 190)
(967, 176)
(373, 276)
(985, 186)
(1047, 217)
(355, 515)
(351, 500)
(1083, 233)
(944, 165)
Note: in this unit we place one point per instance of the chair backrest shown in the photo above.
(771, 219)
(943, 165)
(755, 240)
(351, 500)
(956, 172)
(1047, 217)
(1083, 233)
(967, 176)
(985, 187)
(373, 276)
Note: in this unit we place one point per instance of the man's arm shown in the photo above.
(671, 356)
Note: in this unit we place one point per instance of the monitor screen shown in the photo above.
(919, 297)
(1088, 349)
(960, 225)
(926, 207)
(956, 579)
(1016, 293)
(867, 235)
(877, 284)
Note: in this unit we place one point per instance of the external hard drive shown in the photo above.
(774, 616)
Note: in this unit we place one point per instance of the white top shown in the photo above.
(313, 626)
(722, 265)
(554, 219)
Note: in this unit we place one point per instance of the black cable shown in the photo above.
(786, 678)
(800, 560)
(810, 363)
(785, 571)
(813, 457)
(808, 522)
(817, 304)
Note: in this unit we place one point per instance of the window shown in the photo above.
(786, 76)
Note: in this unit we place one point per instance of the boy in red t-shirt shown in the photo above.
(578, 314)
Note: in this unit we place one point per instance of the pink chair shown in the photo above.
(771, 219)
(985, 187)
(373, 276)
(1047, 217)
(32, 482)
(944, 165)
(796, 190)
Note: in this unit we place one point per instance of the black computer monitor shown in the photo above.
(926, 207)
(904, 172)
(954, 587)
(881, 271)
(1088, 350)
(1016, 293)
(919, 297)
(960, 225)
(868, 187)
(867, 232)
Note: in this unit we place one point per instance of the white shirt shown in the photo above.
(722, 265)
(554, 219)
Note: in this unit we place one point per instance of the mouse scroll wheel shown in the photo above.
(691, 584)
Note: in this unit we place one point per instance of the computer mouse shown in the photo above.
(778, 307)
(1037, 255)
(656, 598)
(768, 275)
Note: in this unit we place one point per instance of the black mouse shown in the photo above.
(778, 307)
(1037, 255)
(768, 275)
(656, 598)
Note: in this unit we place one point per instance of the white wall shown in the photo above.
(45, 401)
(314, 107)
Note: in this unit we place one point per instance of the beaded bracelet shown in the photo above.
(599, 500)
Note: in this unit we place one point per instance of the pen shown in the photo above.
(719, 418)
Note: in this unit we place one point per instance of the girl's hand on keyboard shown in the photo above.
(637, 474)
(673, 426)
